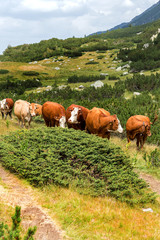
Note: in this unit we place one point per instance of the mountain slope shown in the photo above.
(149, 15)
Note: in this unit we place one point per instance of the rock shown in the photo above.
(97, 84)
(136, 93)
(119, 68)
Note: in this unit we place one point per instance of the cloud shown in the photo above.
(29, 21)
(39, 5)
(128, 3)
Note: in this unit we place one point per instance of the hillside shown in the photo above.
(148, 16)
(76, 47)
(73, 171)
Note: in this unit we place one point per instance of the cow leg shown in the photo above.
(2, 115)
(87, 131)
(128, 138)
(144, 138)
(52, 123)
(141, 142)
(10, 114)
(23, 122)
(108, 135)
(6, 116)
(138, 140)
(47, 123)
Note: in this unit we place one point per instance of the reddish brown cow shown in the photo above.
(100, 122)
(6, 107)
(76, 117)
(138, 127)
(53, 114)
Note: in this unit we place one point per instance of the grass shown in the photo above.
(6, 212)
(98, 218)
(83, 217)
(67, 67)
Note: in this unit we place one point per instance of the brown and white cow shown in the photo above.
(100, 122)
(23, 111)
(76, 117)
(6, 107)
(35, 109)
(138, 127)
(54, 114)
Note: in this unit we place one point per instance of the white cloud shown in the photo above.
(29, 21)
(128, 3)
(39, 5)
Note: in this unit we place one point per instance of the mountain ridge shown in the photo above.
(150, 15)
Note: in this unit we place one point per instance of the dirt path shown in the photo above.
(31, 213)
(153, 183)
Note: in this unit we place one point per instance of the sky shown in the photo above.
(30, 21)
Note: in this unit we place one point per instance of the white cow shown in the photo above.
(22, 111)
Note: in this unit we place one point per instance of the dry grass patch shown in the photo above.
(31, 67)
(84, 217)
(6, 212)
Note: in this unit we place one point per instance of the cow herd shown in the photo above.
(95, 121)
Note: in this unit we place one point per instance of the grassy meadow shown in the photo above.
(84, 217)
(57, 70)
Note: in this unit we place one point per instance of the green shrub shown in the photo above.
(92, 62)
(69, 158)
(4, 71)
(30, 73)
(113, 77)
(100, 56)
(153, 160)
(14, 232)
(83, 78)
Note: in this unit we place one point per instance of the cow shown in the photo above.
(6, 107)
(36, 109)
(138, 126)
(24, 112)
(100, 122)
(76, 117)
(54, 114)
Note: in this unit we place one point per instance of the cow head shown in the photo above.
(74, 115)
(3, 104)
(147, 129)
(61, 121)
(114, 125)
(32, 108)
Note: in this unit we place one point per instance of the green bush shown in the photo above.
(31, 73)
(14, 232)
(153, 160)
(113, 77)
(83, 78)
(4, 71)
(69, 158)
(92, 62)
